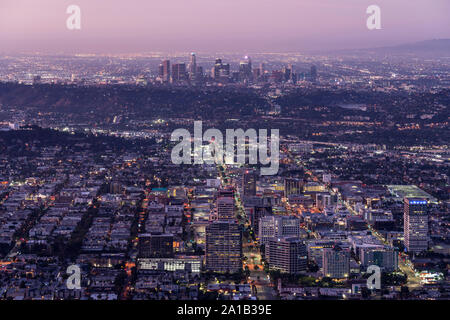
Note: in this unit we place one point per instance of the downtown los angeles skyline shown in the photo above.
(200, 25)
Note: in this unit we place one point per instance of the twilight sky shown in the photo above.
(130, 26)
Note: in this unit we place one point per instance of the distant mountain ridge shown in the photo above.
(435, 47)
(422, 46)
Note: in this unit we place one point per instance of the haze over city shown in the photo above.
(203, 25)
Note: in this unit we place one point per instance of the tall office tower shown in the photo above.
(292, 186)
(220, 71)
(313, 73)
(336, 262)
(225, 71)
(415, 224)
(249, 183)
(225, 208)
(245, 69)
(287, 254)
(277, 227)
(223, 246)
(287, 73)
(178, 72)
(166, 70)
(161, 71)
(217, 67)
(292, 72)
(262, 68)
(193, 68)
(256, 216)
(154, 245)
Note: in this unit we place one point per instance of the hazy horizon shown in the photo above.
(134, 26)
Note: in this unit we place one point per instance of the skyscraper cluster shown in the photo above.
(193, 74)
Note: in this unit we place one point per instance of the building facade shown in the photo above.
(277, 227)
(415, 224)
(155, 245)
(223, 247)
(225, 208)
(336, 262)
(287, 254)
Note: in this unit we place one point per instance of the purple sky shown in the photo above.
(128, 26)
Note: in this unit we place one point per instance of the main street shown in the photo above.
(258, 278)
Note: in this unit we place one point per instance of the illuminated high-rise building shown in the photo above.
(166, 70)
(287, 254)
(221, 71)
(287, 73)
(223, 246)
(249, 183)
(245, 69)
(415, 224)
(225, 208)
(161, 71)
(262, 68)
(336, 262)
(178, 72)
(193, 68)
(272, 226)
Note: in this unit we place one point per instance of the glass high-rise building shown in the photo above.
(178, 72)
(415, 224)
(336, 262)
(193, 67)
(223, 247)
(166, 70)
(287, 254)
(249, 183)
(225, 208)
(271, 226)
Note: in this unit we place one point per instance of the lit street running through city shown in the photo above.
(258, 278)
